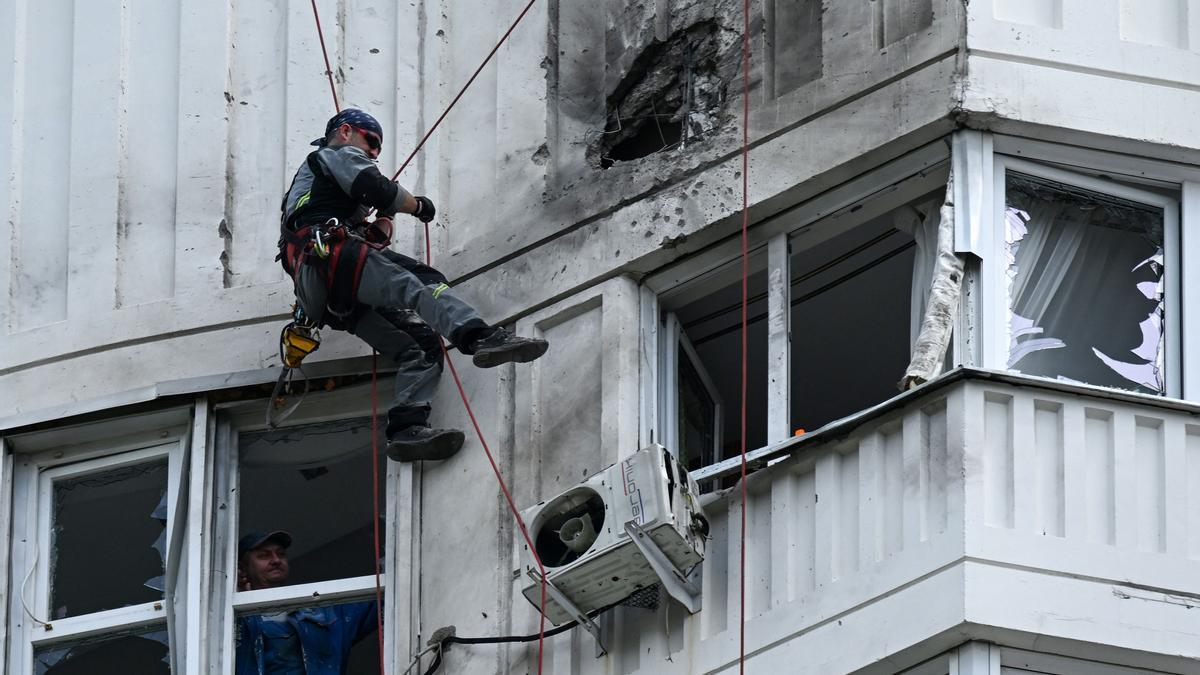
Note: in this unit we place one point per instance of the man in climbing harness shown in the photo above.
(346, 278)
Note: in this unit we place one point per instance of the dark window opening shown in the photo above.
(314, 482)
(852, 318)
(711, 321)
(109, 539)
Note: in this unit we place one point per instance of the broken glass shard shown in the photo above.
(104, 546)
(1085, 282)
(142, 653)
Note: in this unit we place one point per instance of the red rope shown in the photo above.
(462, 91)
(499, 478)
(745, 302)
(375, 505)
(457, 381)
(328, 70)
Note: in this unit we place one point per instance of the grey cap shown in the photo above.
(253, 540)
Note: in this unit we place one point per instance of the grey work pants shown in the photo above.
(404, 308)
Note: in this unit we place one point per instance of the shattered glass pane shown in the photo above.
(107, 539)
(314, 482)
(143, 653)
(331, 639)
(1085, 279)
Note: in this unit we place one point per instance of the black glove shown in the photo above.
(425, 211)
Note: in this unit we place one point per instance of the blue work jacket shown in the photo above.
(326, 635)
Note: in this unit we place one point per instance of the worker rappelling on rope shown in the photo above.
(347, 278)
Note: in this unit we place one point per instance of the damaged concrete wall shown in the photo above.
(170, 155)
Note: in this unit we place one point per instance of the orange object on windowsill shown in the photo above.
(800, 432)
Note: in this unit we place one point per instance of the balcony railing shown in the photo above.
(982, 505)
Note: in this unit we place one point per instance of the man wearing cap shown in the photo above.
(314, 641)
(349, 280)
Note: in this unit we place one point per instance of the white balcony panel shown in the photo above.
(938, 507)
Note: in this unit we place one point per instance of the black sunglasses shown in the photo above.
(373, 141)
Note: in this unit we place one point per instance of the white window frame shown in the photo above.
(33, 479)
(1082, 168)
(673, 340)
(229, 603)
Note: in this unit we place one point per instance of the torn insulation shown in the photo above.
(941, 307)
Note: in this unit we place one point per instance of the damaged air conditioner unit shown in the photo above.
(632, 525)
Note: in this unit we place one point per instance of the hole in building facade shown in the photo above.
(671, 95)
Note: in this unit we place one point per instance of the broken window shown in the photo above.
(89, 564)
(337, 638)
(109, 538)
(144, 653)
(1085, 278)
(314, 482)
(852, 318)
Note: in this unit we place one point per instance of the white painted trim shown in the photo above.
(1053, 663)
(98, 623)
(977, 658)
(321, 593)
(6, 542)
(198, 539)
(972, 161)
(997, 301)
(1189, 278)
(1128, 167)
(779, 340)
(648, 352)
(668, 382)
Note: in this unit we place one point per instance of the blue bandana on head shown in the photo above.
(355, 118)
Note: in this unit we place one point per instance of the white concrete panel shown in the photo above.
(11, 80)
(259, 146)
(1046, 13)
(147, 188)
(1155, 22)
(40, 260)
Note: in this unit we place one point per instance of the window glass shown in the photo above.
(1085, 279)
(331, 639)
(144, 653)
(314, 482)
(109, 539)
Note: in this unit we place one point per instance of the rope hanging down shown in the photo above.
(457, 381)
(745, 303)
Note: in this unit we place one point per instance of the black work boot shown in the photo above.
(504, 347)
(422, 443)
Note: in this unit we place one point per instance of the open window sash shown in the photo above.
(692, 409)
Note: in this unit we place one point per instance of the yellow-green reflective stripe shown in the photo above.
(303, 199)
(438, 291)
